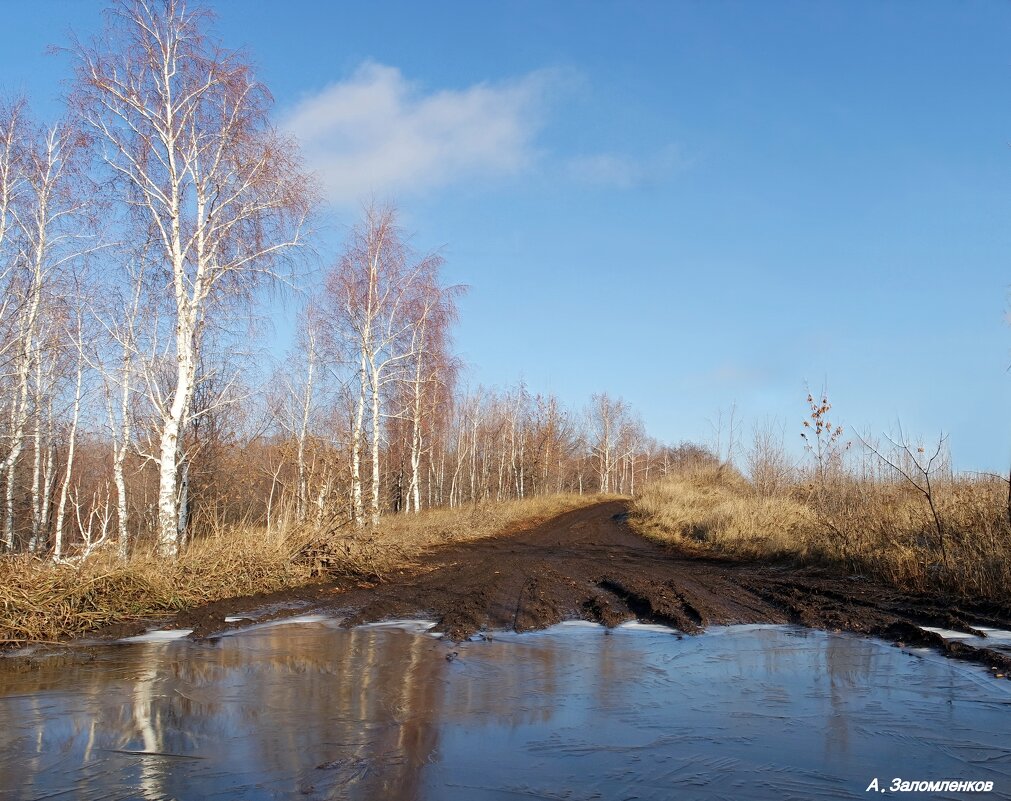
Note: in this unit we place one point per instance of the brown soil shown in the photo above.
(588, 564)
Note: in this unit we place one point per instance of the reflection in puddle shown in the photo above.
(574, 712)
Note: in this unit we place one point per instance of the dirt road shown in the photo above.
(588, 564)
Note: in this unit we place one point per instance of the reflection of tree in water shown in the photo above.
(849, 665)
(846, 664)
(375, 708)
(360, 702)
(147, 719)
(274, 704)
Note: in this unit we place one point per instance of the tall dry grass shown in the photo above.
(41, 601)
(864, 524)
(716, 507)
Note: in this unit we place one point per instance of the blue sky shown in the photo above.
(687, 204)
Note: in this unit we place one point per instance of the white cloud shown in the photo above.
(620, 171)
(378, 133)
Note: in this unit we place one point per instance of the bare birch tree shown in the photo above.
(78, 334)
(371, 293)
(297, 408)
(185, 132)
(120, 314)
(606, 416)
(434, 313)
(51, 236)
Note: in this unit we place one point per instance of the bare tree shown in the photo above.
(920, 467)
(52, 235)
(768, 464)
(725, 427)
(311, 347)
(78, 334)
(186, 134)
(433, 365)
(371, 293)
(823, 439)
(631, 441)
(296, 409)
(122, 319)
(606, 417)
(12, 188)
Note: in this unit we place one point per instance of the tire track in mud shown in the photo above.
(588, 564)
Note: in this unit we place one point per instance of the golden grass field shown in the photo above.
(868, 526)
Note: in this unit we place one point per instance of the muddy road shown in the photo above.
(588, 564)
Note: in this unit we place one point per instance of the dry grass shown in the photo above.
(873, 527)
(43, 602)
(717, 508)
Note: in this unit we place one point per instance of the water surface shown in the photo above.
(313, 711)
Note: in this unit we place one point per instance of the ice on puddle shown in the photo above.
(997, 635)
(949, 634)
(415, 626)
(159, 635)
(637, 626)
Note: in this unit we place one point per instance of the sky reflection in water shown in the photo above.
(314, 711)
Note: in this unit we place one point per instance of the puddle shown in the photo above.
(384, 712)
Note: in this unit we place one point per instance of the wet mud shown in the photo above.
(589, 565)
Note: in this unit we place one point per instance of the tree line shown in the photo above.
(138, 235)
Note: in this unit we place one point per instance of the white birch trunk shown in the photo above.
(71, 449)
(19, 412)
(357, 437)
(302, 490)
(170, 446)
(35, 542)
(184, 503)
(376, 436)
(120, 449)
(414, 492)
